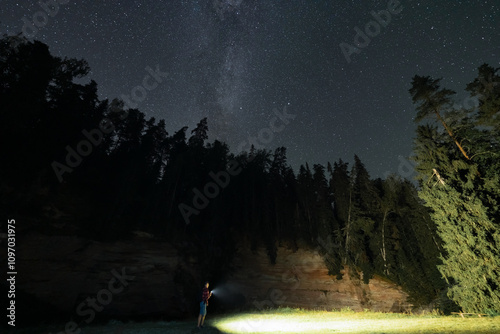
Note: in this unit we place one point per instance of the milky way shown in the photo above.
(238, 62)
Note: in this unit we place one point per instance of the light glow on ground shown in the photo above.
(337, 322)
(281, 326)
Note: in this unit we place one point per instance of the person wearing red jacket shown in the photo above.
(205, 295)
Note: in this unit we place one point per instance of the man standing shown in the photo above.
(205, 295)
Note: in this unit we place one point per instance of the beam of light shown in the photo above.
(282, 326)
(301, 323)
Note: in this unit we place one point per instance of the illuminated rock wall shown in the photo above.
(300, 279)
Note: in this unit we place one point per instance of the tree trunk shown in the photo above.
(451, 135)
(383, 251)
(347, 228)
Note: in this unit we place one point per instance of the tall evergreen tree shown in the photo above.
(323, 202)
(362, 224)
(341, 189)
(305, 189)
(432, 100)
(486, 88)
(462, 190)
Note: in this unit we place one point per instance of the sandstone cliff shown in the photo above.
(300, 279)
(61, 275)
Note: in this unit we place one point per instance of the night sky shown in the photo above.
(238, 62)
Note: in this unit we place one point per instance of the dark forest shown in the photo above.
(75, 164)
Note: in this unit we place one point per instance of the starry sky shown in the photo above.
(240, 63)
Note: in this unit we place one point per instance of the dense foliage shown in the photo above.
(77, 164)
(459, 174)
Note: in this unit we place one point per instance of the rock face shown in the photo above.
(300, 279)
(83, 279)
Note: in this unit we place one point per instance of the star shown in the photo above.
(236, 61)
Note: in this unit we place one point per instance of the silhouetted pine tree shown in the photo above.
(306, 196)
(323, 203)
(361, 223)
